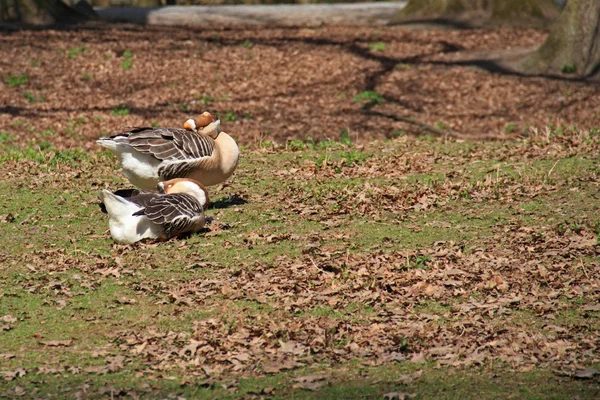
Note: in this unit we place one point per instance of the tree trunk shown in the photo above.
(573, 45)
(484, 12)
(46, 12)
(101, 3)
(6, 11)
(149, 3)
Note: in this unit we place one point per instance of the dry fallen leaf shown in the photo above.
(291, 347)
(10, 375)
(19, 391)
(8, 318)
(586, 373)
(398, 396)
(56, 343)
(310, 382)
(274, 366)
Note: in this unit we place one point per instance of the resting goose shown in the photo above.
(199, 151)
(177, 208)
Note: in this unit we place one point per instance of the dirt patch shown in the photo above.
(70, 86)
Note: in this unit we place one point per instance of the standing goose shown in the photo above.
(199, 151)
(135, 215)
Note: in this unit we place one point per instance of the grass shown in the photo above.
(76, 51)
(205, 99)
(568, 68)
(16, 80)
(347, 381)
(377, 46)
(345, 253)
(509, 128)
(31, 98)
(229, 116)
(127, 62)
(120, 110)
(5, 137)
(369, 99)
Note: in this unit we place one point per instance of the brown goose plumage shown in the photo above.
(200, 152)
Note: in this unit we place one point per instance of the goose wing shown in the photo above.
(177, 213)
(170, 143)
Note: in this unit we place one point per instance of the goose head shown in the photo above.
(205, 124)
(187, 186)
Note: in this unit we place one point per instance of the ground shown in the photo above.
(275, 84)
(375, 262)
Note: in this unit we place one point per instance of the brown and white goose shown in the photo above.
(177, 208)
(200, 152)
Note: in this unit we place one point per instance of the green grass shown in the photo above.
(73, 52)
(346, 381)
(16, 80)
(568, 68)
(127, 62)
(229, 116)
(31, 98)
(369, 99)
(377, 46)
(205, 99)
(120, 110)
(509, 128)
(343, 254)
(5, 137)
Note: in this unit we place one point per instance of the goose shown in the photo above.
(177, 208)
(199, 151)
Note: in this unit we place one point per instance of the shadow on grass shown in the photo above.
(231, 201)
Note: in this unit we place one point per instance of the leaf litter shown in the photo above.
(303, 82)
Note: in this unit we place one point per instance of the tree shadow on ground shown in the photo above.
(386, 64)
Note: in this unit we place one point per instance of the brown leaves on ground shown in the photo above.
(6, 322)
(310, 382)
(10, 375)
(313, 195)
(398, 396)
(291, 82)
(462, 306)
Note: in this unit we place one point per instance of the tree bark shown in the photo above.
(101, 3)
(151, 3)
(6, 13)
(573, 45)
(484, 12)
(46, 12)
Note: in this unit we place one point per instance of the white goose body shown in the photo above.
(151, 155)
(135, 215)
(141, 169)
(124, 226)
